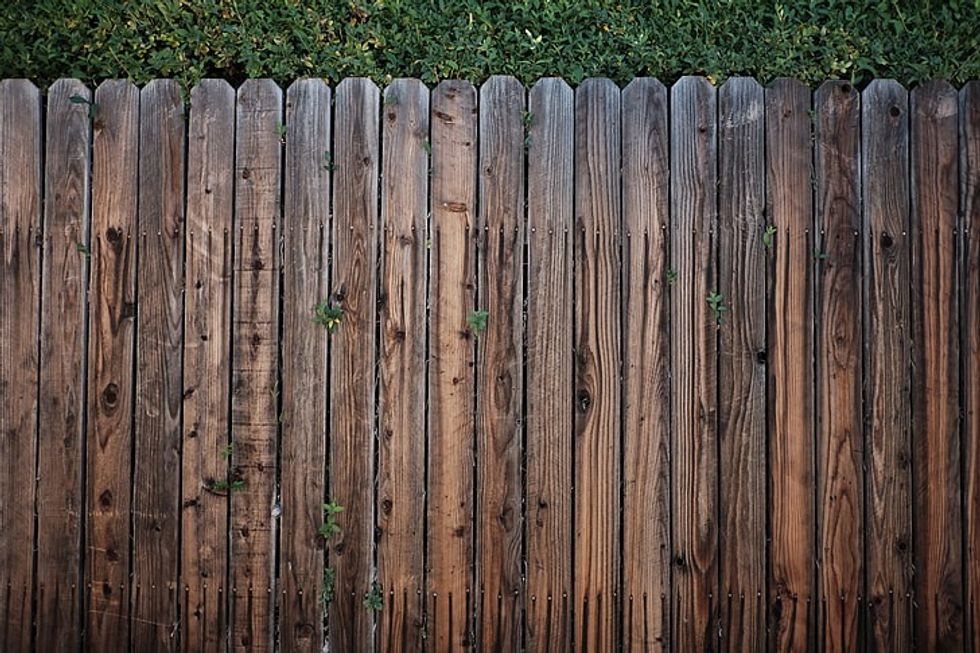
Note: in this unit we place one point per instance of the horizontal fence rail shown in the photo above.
(507, 368)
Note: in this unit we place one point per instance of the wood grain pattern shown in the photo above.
(401, 441)
(207, 366)
(646, 367)
(159, 360)
(112, 317)
(255, 364)
(741, 362)
(885, 197)
(306, 223)
(500, 353)
(935, 364)
(61, 425)
(789, 195)
(840, 503)
(452, 297)
(970, 345)
(694, 461)
(550, 198)
(353, 356)
(598, 352)
(20, 294)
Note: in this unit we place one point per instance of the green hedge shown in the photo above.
(434, 39)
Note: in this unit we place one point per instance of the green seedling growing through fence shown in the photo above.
(768, 236)
(820, 256)
(672, 276)
(477, 322)
(717, 303)
(327, 587)
(427, 146)
(327, 316)
(281, 131)
(234, 485)
(329, 528)
(528, 121)
(373, 599)
(227, 450)
(83, 249)
(328, 161)
(93, 108)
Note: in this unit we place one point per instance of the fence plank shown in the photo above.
(549, 373)
(61, 427)
(741, 362)
(159, 383)
(401, 455)
(935, 364)
(255, 374)
(646, 367)
(694, 481)
(353, 356)
(790, 354)
(451, 373)
(840, 502)
(500, 353)
(598, 351)
(305, 267)
(885, 197)
(20, 240)
(970, 346)
(111, 324)
(207, 365)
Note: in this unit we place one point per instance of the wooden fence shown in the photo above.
(685, 368)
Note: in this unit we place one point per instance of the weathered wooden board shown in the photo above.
(646, 367)
(839, 297)
(61, 425)
(255, 386)
(207, 366)
(20, 292)
(741, 362)
(885, 198)
(353, 356)
(694, 329)
(935, 363)
(452, 299)
(112, 317)
(500, 352)
(159, 359)
(550, 198)
(305, 382)
(790, 355)
(402, 350)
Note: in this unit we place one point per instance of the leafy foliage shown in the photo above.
(477, 322)
(716, 302)
(383, 39)
(330, 527)
(328, 316)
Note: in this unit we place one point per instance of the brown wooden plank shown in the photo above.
(64, 281)
(207, 361)
(970, 344)
(646, 367)
(840, 505)
(304, 363)
(255, 373)
(112, 300)
(741, 362)
(935, 364)
(550, 200)
(452, 271)
(694, 481)
(20, 291)
(885, 197)
(790, 355)
(401, 455)
(598, 350)
(353, 356)
(500, 352)
(159, 357)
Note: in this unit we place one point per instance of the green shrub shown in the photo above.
(437, 39)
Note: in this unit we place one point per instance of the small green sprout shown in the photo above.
(327, 587)
(281, 131)
(768, 236)
(234, 485)
(93, 108)
(83, 249)
(328, 161)
(820, 255)
(328, 316)
(477, 321)
(427, 146)
(373, 599)
(672, 276)
(717, 303)
(329, 528)
(227, 451)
